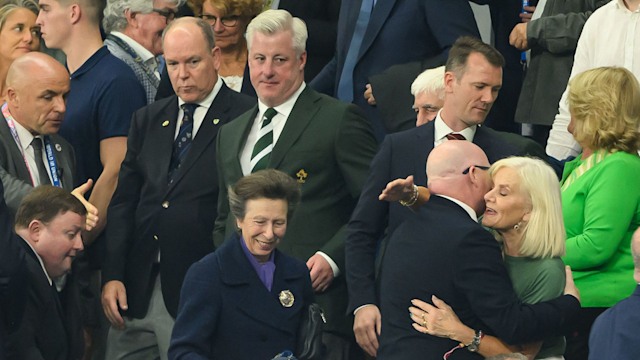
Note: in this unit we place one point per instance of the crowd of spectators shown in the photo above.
(227, 163)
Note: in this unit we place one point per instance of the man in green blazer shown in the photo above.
(325, 144)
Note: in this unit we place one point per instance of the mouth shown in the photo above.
(266, 243)
(489, 211)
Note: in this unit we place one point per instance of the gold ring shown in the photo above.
(423, 319)
(424, 324)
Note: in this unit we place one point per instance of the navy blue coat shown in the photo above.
(226, 312)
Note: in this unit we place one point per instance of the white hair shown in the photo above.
(114, 18)
(274, 21)
(429, 81)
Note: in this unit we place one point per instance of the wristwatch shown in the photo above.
(475, 343)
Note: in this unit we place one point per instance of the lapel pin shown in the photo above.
(302, 176)
(58, 147)
(216, 121)
(286, 298)
(165, 123)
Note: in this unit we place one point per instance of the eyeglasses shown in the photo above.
(168, 14)
(227, 21)
(466, 171)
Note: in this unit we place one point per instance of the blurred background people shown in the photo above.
(229, 20)
(134, 35)
(428, 93)
(616, 328)
(523, 208)
(600, 193)
(19, 34)
(246, 300)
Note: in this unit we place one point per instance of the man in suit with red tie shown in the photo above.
(162, 213)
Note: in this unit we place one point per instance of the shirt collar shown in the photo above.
(442, 129)
(24, 135)
(464, 206)
(145, 54)
(40, 261)
(206, 102)
(286, 107)
(620, 5)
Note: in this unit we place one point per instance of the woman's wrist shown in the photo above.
(463, 334)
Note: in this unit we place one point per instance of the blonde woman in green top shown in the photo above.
(601, 192)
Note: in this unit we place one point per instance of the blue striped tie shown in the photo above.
(182, 143)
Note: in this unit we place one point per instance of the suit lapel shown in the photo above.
(163, 137)
(302, 114)
(424, 140)
(14, 152)
(379, 16)
(237, 139)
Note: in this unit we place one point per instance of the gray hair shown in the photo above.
(429, 81)
(274, 21)
(114, 13)
(205, 29)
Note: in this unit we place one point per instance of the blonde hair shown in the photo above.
(543, 236)
(7, 7)
(604, 103)
(243, 8)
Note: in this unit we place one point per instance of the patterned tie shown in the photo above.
(182, 143)
(455, 136)
(345, 83)
(262, 150)
(43, 175)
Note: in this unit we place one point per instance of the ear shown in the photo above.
(35, 230)
(131, 18)
(12, 98)
(75, 13)
(449, 79)
(215, 52)
(239, 223)
(303, 60)
(527, 216)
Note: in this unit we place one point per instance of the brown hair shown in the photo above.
(46, 202)
(465, 46)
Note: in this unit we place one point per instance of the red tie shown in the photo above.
(455, 136)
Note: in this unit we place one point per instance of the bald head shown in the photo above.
(36, 89)
(31, 67)
(453, 170)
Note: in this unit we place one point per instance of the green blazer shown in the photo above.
(327, 145)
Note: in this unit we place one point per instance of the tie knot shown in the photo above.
(189, 109)
(269, 114)
(455, 136)
(37, 143)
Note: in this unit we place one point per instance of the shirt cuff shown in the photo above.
(334, 266)
(360, 307)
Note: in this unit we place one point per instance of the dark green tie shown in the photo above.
(262, 150)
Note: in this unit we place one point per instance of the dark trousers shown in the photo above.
(578, 338)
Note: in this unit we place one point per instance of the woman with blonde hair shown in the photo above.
(19, 34)
(524, 210)
(600, 192)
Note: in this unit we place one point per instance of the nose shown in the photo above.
(39, 19)
(27, 36)
(489, 95)
(268, 231)
(218, 27)
(60, 105)
(77, 242)
(183, 72)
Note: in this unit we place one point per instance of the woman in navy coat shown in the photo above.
(246, 300)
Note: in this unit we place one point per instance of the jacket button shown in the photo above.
(165, 204)
(155, 237)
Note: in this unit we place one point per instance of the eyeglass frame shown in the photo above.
(208, 18)
(168, 14)
(481, 167)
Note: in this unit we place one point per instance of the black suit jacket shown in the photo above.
(12, 275)
(398, 32)
(403, 154)
(16, 178)
(442, 251)
(146, 215)
(49, 329)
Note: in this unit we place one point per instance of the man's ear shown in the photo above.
(75, 13)
(35, 230)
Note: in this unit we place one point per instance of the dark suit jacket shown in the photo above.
(327, 145)
(403, 154)
(17, 180)
(442, 251)
(147, 215)
(615, 330)
(399, 32)
(226, 312)
(13, 274)
(48, 329)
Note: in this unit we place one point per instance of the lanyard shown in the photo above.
(51, 160)
(136, 58)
